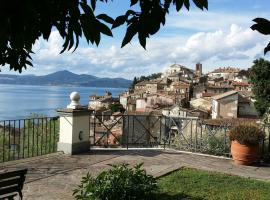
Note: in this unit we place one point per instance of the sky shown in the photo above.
(218, 37)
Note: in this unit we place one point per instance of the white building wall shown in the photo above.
(215, 109)
(123, 101)
(141, 104)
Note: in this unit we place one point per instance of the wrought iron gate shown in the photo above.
(127, 131)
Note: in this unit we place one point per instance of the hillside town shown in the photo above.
(183, 92)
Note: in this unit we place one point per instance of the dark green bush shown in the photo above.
(119, 183)
(248, 133)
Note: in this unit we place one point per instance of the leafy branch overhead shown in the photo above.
(263, 26)
(24, 22)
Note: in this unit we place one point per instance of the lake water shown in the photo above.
(18, 101)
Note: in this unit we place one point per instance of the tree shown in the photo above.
(244, 72)
(117, 107)
(135, 81)
(23, 22)
(144, 78)
(263, 26)
(259, 77)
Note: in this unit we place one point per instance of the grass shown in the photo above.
(197, 185)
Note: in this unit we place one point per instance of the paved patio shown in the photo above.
(54, 176)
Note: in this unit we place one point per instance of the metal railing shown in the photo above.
(186, 134)
(191, 134)
(24, 138)
(127, 131)
(31, 137)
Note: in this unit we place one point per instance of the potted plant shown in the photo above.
(245, 139)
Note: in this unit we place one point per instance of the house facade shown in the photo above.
(225, 105)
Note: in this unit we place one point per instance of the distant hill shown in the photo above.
(65, 78)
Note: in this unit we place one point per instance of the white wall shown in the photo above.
(140, 104)
(215, 109)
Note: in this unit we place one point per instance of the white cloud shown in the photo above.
(213, 48)
(230, 45)
(213, 38)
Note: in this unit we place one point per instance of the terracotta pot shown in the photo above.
(244, 154)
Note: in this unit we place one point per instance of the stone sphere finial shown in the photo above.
(75, 100)
(75, 96)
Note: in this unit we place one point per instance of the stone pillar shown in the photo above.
(74, 127)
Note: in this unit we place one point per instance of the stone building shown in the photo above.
(180, 88)
(241, 86)
(225, 105)
(99, 102)
(246, 108)
(198, 70)
(176, 71)
(228, 73)
(141, 86)
(218, 89)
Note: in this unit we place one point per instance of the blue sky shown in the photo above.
(218, 37)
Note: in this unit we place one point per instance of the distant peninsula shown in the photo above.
(65, 78)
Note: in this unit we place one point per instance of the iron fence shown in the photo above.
(31, 137)
(24, 138)
(127, 131)
(186, 134)
(192, 134)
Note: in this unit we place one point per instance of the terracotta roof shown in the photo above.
(141, 83)
(156, 81)
(220, 86)
(181, 83)
(208, 94)
(218, 79)
(226, 94)
(240, 84)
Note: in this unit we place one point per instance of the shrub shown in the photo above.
(246, 133)
(119, 183)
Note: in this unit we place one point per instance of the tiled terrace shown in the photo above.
(54, 176)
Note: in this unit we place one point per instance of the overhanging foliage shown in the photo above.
(23, 22)
(263, 26)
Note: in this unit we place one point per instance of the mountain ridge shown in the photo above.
(64, 78)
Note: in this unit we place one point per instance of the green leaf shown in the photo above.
(97, 38)
(142, 39)
(119, 21)
(201, 4)
(65, 45)
(105, 18)
(87, 9)
(28, 63)
(133, 2)
(267, 48)
(104, 29)
(262, 25)
(47, 32)
(93, 4)
(131, 31)
(130, 12)
(179, 4)
(187, 4)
